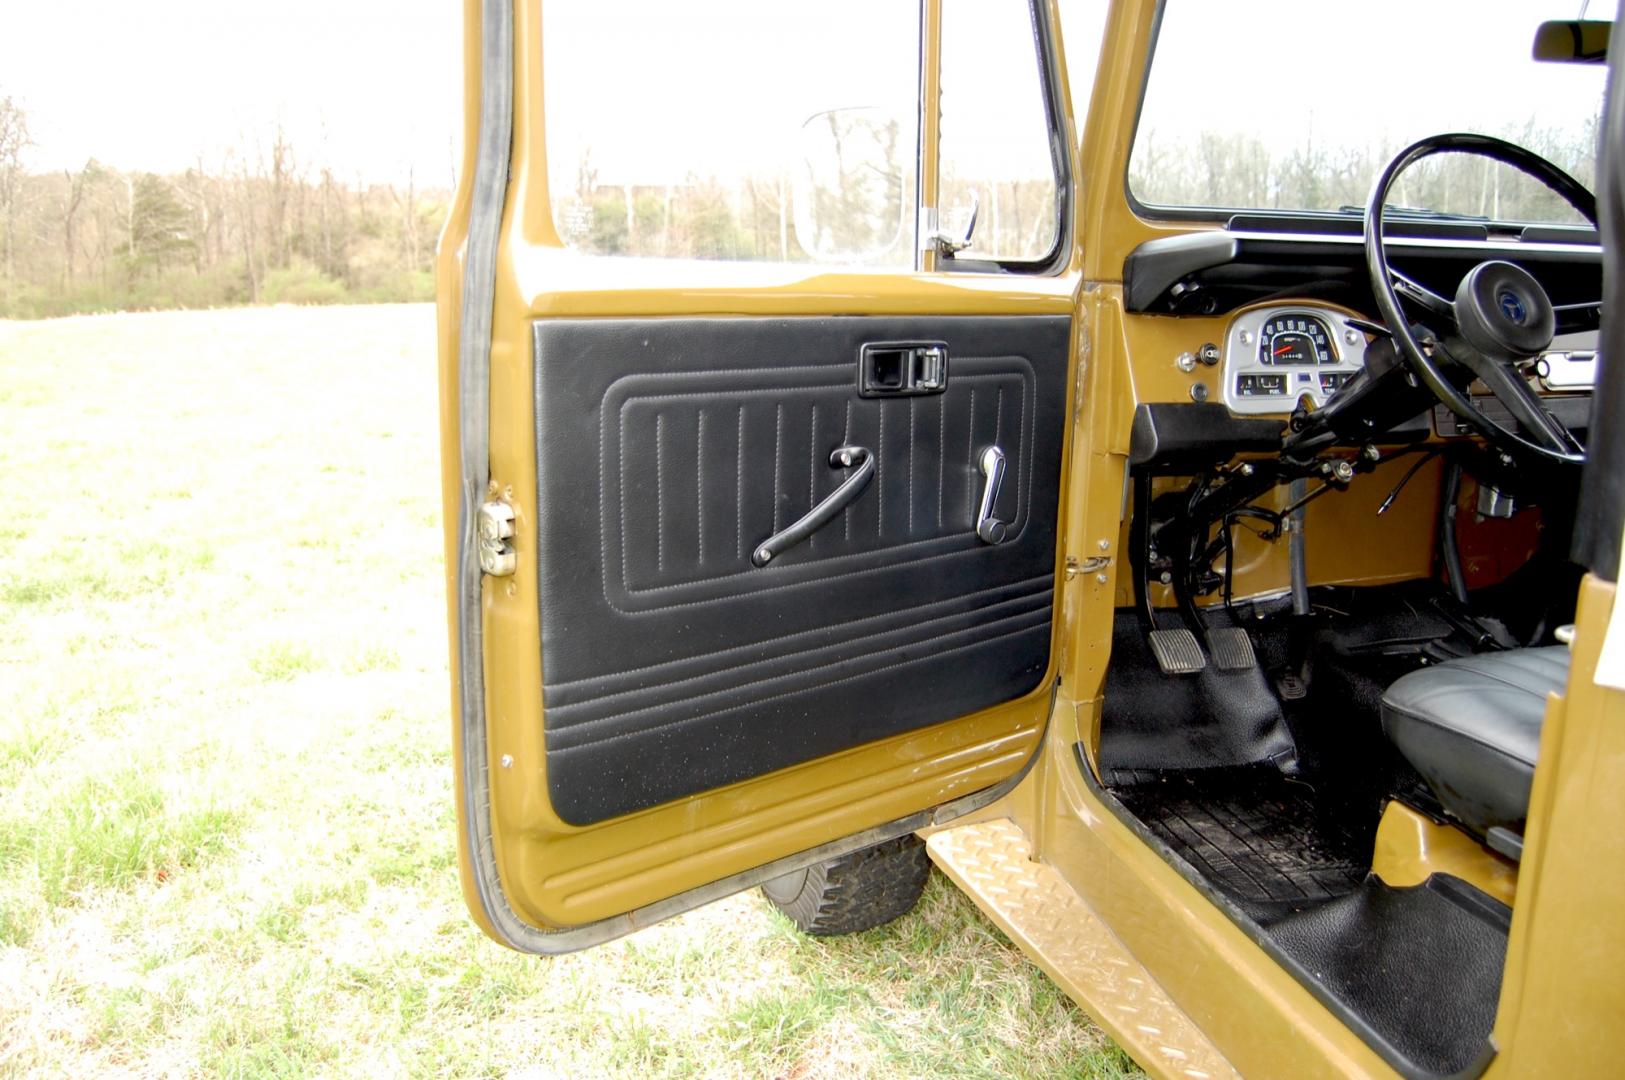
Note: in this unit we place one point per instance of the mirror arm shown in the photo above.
(935, 238)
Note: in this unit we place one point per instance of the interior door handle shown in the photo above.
(988, 527)
(844, 457)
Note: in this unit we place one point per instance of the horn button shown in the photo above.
(1503, 312)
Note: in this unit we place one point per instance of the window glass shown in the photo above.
(735, 129)
(1279, 104)
(994, 142)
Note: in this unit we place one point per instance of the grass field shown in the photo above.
(225, 794)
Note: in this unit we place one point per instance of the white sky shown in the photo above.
(1399, 69)
(371, 87)
(658, 90)
(367, 86)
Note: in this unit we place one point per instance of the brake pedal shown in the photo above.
(1232, 649)
(1177, 652)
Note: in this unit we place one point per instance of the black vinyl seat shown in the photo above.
(1471, 727)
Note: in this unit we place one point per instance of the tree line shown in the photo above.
(1231, 169)
(269, 226)
(256, 226)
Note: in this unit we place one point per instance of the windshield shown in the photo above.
(1286, 105)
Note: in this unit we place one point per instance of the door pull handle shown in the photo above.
(844, 457)
(989, 528)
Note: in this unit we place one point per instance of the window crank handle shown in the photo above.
(989, 528)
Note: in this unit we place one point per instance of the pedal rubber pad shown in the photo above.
(1177, 652)
(1232, 649)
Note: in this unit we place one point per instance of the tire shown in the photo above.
(857, 891)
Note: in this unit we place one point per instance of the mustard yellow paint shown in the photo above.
(1562, 1001)
(557, 875)
(1410, 847)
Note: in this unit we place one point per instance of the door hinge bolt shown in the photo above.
(497, 556)
(1076, 566)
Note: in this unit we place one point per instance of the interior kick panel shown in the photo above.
(670, 449)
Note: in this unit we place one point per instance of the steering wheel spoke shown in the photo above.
(1511, 388)
(1422, 296)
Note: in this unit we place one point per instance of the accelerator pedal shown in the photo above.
(1177, 652)
(1232, 649)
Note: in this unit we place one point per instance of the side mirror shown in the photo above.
(852, 191)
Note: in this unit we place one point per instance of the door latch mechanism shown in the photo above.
(497, 556)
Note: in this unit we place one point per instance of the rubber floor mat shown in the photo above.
(1272, 844)
(1213, 719)
(1418, 968)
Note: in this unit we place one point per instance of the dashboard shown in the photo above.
(1274, 357)
(1286, 284)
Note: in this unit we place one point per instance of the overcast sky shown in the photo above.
(368, 86)
(371, 87)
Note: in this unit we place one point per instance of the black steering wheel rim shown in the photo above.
(1382, 283)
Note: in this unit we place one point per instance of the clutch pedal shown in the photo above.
(1232, 649)
(1177, 652)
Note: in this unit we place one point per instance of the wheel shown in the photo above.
(857, 891)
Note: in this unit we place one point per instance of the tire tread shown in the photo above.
(861, 890)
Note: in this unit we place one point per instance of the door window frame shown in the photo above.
(1059, 256)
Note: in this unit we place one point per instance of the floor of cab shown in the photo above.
(1273, 845)
(1284, 841)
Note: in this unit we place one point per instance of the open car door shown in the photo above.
(753, 474)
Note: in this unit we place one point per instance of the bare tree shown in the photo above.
(409, 218)
(283, 178)
(13, 141)
(78, 183)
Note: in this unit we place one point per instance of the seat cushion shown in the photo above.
(1471, 727)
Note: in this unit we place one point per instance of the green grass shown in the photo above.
(226, 831)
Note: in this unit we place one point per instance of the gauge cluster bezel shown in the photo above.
(1242, 347)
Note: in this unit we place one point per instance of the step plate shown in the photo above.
(992, 861)
(1177, 652)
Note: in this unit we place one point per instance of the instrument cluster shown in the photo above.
(1276, 356)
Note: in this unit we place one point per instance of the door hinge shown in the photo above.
(1075, 566)
(497, 556)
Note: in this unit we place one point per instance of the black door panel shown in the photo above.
(670, 448)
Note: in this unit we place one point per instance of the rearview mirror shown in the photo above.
(1573, 41)
(852, 190)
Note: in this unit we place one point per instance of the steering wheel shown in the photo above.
(1501, 316)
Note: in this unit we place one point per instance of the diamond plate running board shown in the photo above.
(992, 861)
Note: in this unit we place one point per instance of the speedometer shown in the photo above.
(1290, 340)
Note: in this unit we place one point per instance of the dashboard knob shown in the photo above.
(1208, 353)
